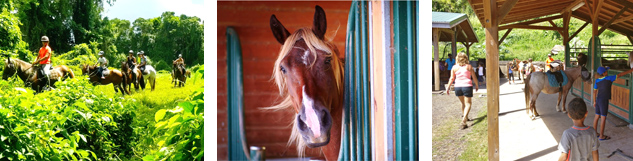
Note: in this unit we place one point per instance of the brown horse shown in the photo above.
(134, 76)
(538, 82)
(178, 74)
(309, 75)
(116, 77)
(28, 73)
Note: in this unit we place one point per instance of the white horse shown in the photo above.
(149, 75)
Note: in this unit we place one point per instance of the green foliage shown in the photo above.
(74, 122)
(183, 133)
(10, 34)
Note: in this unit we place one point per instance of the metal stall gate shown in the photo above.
(405, 78)
(357, 134)
(237, 141)
(355, 143)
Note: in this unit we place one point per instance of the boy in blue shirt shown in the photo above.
(601, 96)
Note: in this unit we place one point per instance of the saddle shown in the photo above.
(557, 79)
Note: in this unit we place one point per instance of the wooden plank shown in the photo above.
(492, 72)
(573, 4)
(630, 39)
(505, 9)
(530, 27)
(623, 19)
(605, 26)
(539, 20)
(589, 8)
(504, 36)
(436, 58)
(597, 8)
(380, 150)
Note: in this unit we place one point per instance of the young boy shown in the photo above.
(578, 142)
(601, 96)
(480, 72)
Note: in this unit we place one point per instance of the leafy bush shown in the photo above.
(73, 122)
(183, 133)
(162, 65)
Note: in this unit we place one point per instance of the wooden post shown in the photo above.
(492, 76)
(467, 44)
(594, 34)
(436, 58)
(454, 43)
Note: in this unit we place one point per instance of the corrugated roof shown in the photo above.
(447, 19)
(447, 23)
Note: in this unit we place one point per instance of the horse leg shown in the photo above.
(115, 89)
(565, 100)
(558, 102)
(533, 105)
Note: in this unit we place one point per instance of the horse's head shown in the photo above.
(9, 69)
(585, 74)
(87, 69)
(582, 59)
(309, 74)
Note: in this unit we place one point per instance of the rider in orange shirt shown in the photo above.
(548, 61)
(44, 59)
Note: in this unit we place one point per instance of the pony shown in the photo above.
(538, 82)
(149, 76)
(31, 77)
(116, 77)
(178, 74)
(309, 76)
(134, 76)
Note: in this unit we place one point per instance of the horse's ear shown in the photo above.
(279, 31)
(320, 24)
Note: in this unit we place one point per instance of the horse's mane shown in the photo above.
(313, 44)
(18, 62)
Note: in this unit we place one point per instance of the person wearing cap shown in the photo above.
(141, 65)
(601, 96)
(44, 59)
(549, 60)
(131, 62)
(102, 62)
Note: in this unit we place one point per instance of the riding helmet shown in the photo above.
(100, 53)
(180, 55)
(131, 52)
(44, 38)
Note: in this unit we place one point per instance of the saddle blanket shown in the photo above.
(551, 77)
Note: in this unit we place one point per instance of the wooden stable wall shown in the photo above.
(259, 51)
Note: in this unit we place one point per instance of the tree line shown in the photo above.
(69, 23)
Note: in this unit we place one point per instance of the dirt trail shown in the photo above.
(448, 141)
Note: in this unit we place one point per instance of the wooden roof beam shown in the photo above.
(572, 5)
(530, 27)
(596, 11)
(504, 36)
(539, 20)
(505, 9)
(605, 26)
(589, 8)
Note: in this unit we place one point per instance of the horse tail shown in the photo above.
(526, 91)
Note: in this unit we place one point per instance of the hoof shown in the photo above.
(565, 112)
(557, 110)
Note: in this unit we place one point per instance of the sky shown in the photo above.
(133, 9)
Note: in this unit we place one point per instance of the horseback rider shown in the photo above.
(103, 62)
(180, 62)
(44, 60)
(143, 62)
(131, 62)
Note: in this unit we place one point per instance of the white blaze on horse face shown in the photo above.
(312, 120)
(306, 53)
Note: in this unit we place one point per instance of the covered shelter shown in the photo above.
(450, 27)
(495, 15)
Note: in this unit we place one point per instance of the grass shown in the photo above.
(164, 96)
(477, 140)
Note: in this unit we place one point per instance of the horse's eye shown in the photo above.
(327, 60)
(283, 69)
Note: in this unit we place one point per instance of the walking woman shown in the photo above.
(462, 73)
